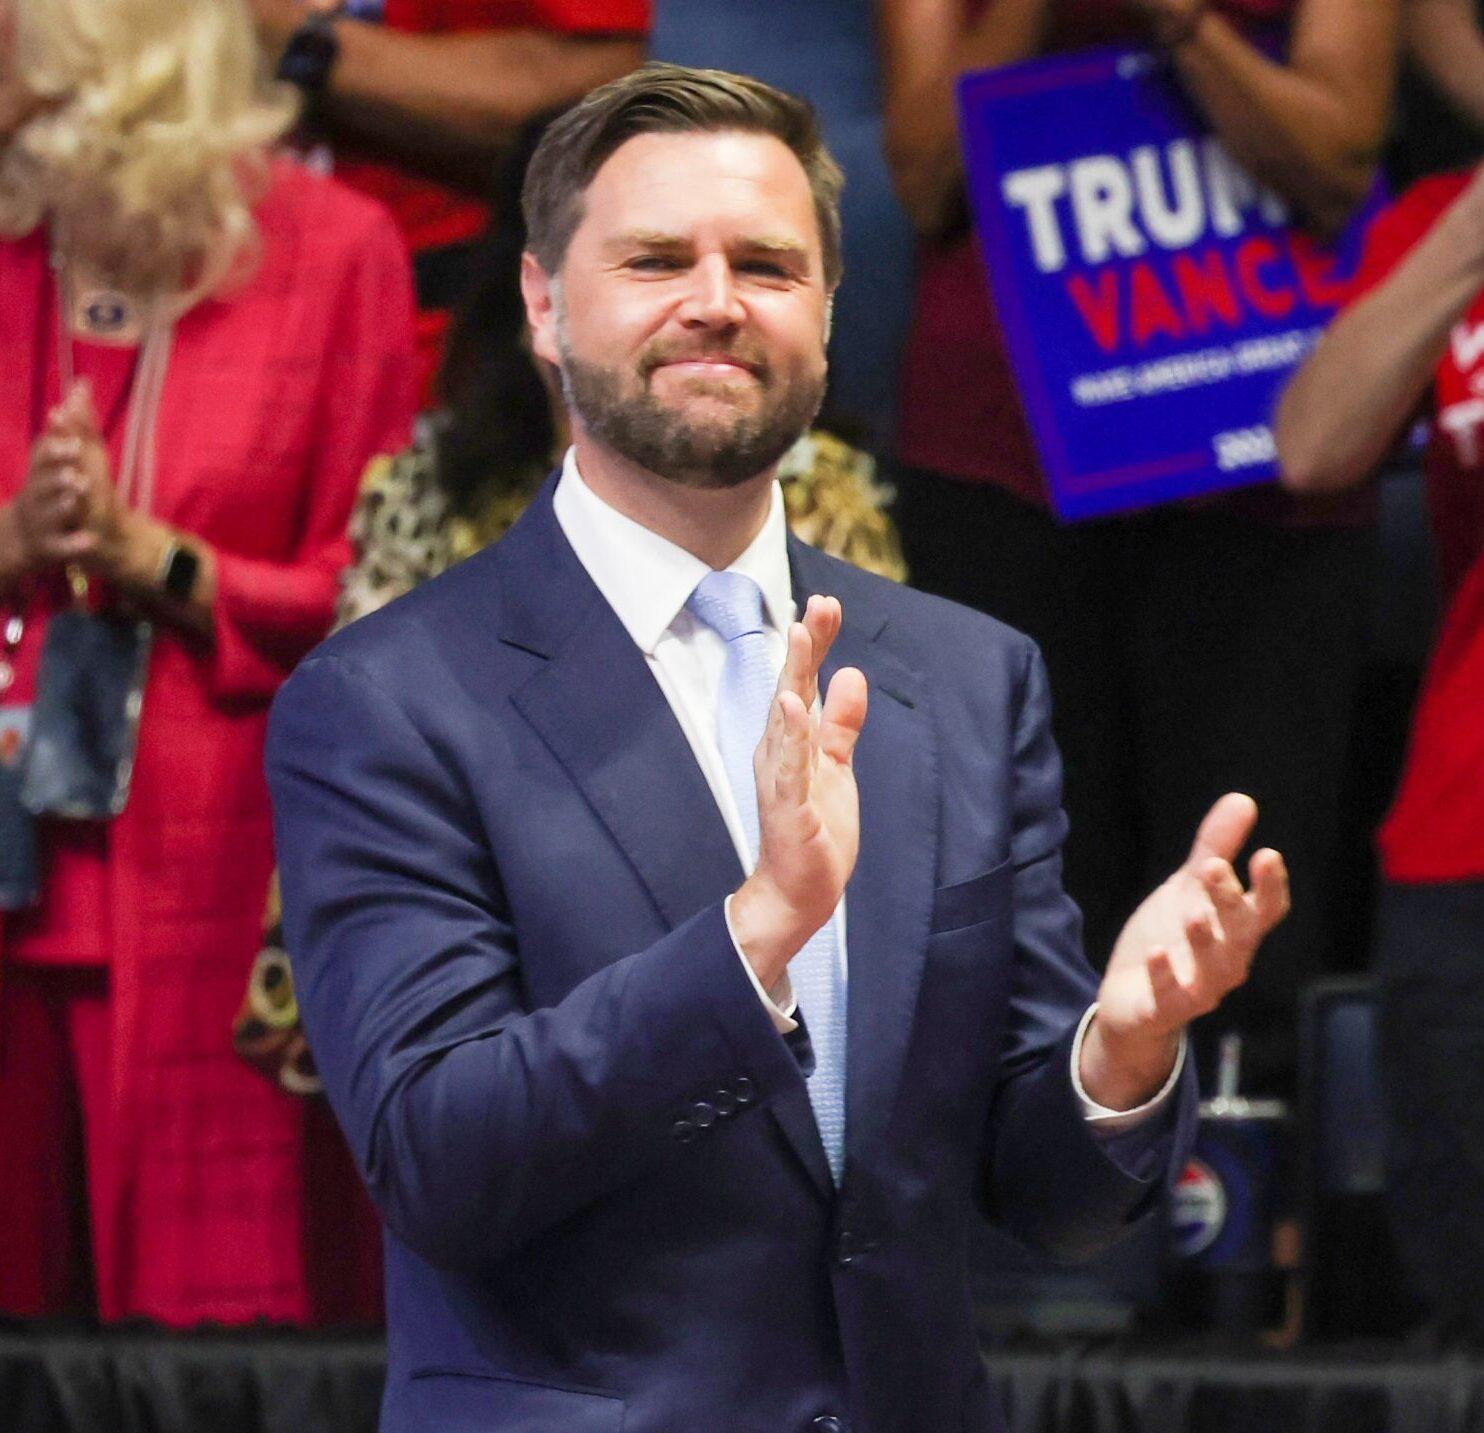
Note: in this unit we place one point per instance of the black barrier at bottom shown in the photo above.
(63, 1381)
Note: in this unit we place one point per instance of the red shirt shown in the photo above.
(429, 215)
(960, 408)
(1435, 831)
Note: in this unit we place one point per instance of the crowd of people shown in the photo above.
(266, 368)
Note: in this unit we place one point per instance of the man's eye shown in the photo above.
(763, 268)
(654, 264)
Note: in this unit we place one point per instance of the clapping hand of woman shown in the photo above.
(55, 509)
(70, 512)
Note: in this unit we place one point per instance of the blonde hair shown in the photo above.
(152, 142)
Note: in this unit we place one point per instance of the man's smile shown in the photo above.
(708, 367)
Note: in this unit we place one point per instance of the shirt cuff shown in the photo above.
(1102, 1119)
(781, 1003)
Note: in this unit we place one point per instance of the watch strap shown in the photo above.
(310, 54)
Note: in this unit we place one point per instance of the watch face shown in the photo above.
(180, 574)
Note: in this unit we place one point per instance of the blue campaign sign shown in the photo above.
(1153, 299)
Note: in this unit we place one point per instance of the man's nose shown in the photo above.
(712, 299)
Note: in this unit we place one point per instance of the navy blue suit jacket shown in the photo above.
(606, 1201)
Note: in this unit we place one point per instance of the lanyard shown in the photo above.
(145, 389)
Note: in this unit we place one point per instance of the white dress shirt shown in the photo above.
(647, 580)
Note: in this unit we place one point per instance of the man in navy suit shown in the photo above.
(678, 1072)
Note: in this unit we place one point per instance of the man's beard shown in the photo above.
(714, 453)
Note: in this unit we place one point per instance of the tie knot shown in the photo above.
(729, 602)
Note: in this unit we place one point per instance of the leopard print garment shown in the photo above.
(404, 533)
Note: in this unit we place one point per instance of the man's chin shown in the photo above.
(691, 401)
(711, 424)
(705, 455)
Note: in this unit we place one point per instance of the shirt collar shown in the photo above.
(646, 578)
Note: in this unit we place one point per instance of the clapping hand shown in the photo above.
(1189, 944)
(808, 806)
(63, 507)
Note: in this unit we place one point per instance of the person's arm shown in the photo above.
(1309, 128)
(1344, 407)
(135, 562)
(1444, 40)
(268, 613)
(1190, 942)
(1050, 1177)
(479, 1123)
(925, 45)
(445, 105)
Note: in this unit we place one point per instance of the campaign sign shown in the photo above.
(1152, 297)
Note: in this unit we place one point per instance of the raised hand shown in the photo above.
(808, 806)
(1189, 944)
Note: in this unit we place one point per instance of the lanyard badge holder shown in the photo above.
(85, 724)
(18, 885)
(73, 751)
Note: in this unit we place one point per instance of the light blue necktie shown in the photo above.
(732, 604)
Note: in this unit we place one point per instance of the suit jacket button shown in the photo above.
(725, 1101)
(702, 1115)
(827, 1423)
(683, 1130)
(845, 1247)
(744, 1089)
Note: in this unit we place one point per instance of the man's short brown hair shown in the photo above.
(669, 99)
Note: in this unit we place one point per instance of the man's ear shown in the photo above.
(829, 317)
(539, 290)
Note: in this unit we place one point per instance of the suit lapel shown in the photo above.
(888, 902)
(598, 707)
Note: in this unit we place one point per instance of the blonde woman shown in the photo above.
(202, 348)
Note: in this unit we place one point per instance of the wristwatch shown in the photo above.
(179, 568)
(310, 54)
